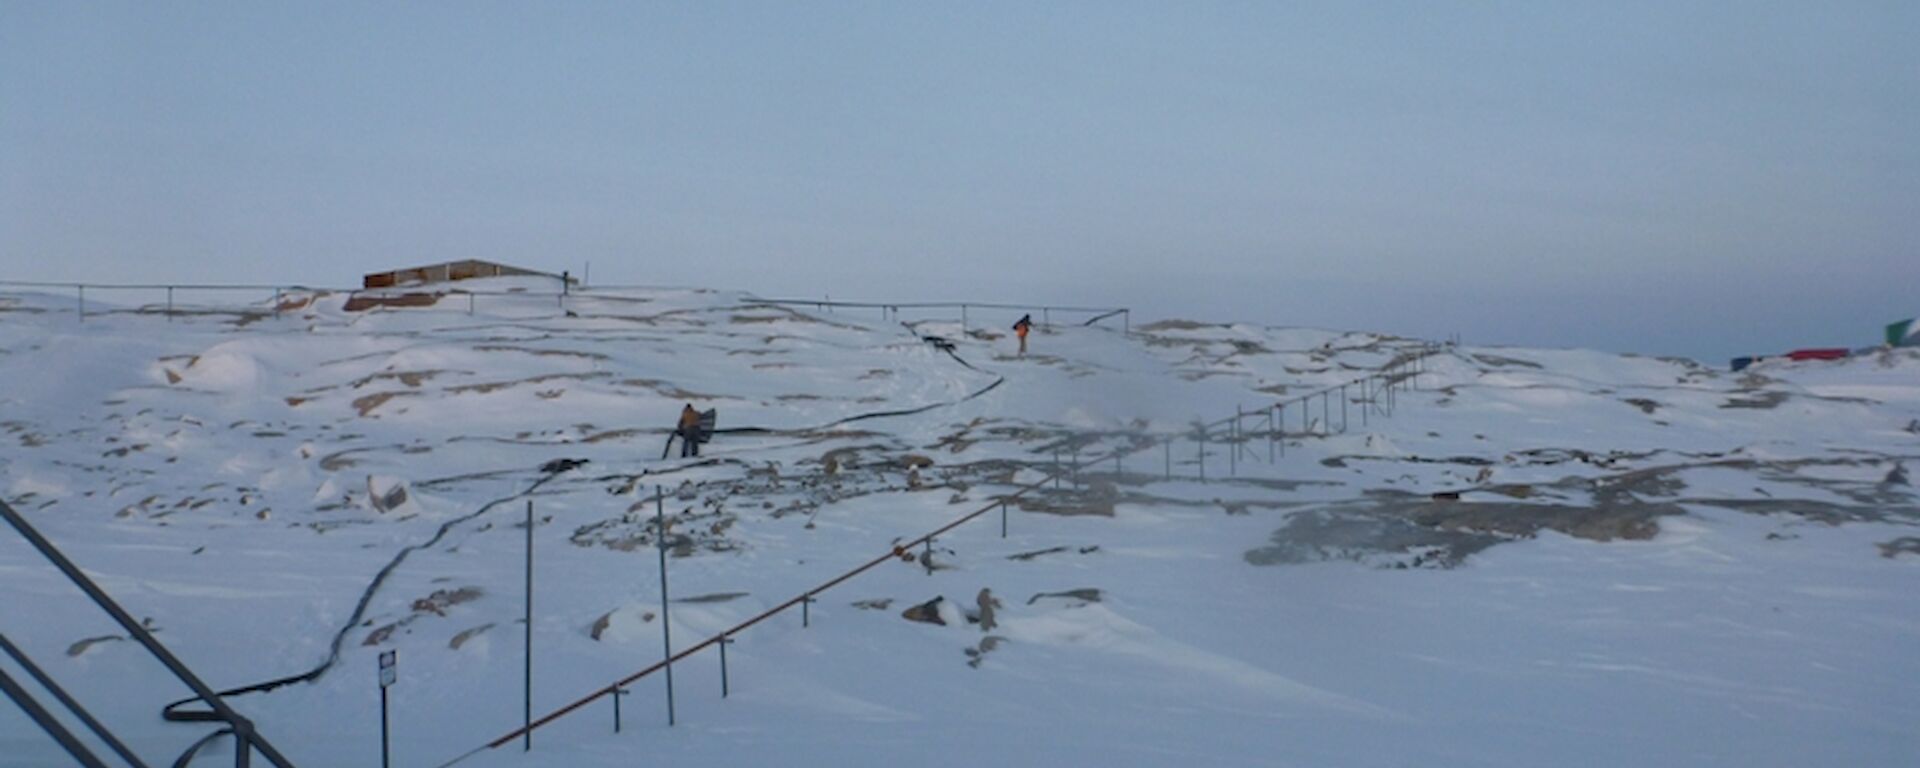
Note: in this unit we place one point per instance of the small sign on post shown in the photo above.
(389, 673)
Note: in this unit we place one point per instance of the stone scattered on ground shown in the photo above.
(467, 634)
(1077, 597)
(926, 613)
(716, 597)
(1905, 545)
(978, 653)
(83, 645)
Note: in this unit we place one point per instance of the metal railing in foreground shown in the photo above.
(240, 728)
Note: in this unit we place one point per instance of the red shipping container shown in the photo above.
(1817, 354)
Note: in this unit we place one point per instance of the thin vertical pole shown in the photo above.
(1201, 443)
(1269, 434)
(666, 631)
(1003, 518)
(1167, 445)
(963, 319)
(1326, 414)
(617, 693)
(1233, 444)
(1282, 429)
(169, 303)
(1366, 403)
(527, 702)
(724, 642)
(386, 754)
(1056, 468)
(806, 611)
(1343, 409)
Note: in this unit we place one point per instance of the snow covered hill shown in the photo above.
(1540, 557)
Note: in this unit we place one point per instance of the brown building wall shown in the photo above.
(466, 269)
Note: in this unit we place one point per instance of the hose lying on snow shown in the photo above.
(175, 711)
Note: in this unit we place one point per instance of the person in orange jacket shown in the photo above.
(689, 431)
(1020, 329)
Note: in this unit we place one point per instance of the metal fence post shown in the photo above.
(386, 750)
(666, 631)
(1269, 434)
(1003, 518)
(724, 642)
(526, 711)
(1201, 442)
(806, 610)
(1233, 444)
(617, 693)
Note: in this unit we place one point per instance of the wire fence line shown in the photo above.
(1241, 433)
(890, 310)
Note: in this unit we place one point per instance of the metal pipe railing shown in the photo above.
(801, 599)
(59, 694)
(243, 732)
(47, 722)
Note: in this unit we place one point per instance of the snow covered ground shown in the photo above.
(1648, 563)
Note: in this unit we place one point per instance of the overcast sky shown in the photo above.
(1662, 177)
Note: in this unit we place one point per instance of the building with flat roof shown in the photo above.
(446, 272)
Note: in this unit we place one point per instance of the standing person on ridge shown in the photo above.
(688, 431)
(1020, 329)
